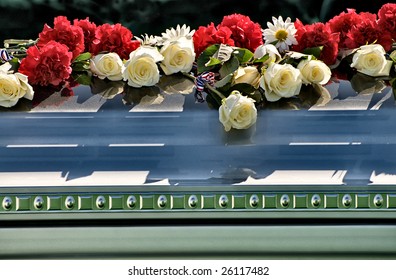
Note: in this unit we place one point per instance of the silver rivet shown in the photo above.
(347, 200)
(285, 200)
(254, 200)
(70, 202)
(193, 201)
(38, 202)
(378, 200)
(162, 201)
(101, 202)
(223, 201)
(316, 200)
(7, 203)
(131, 201)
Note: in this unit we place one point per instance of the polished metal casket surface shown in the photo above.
(165, 153)
(162, 166)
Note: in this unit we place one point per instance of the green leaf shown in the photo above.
(212, 62)
(243, 55)
(245, 89)
(315, 51)
(213, 101)
(257, 96)
(82, 78)
(229, 67)
(223, 82)
(80, 66)
(262, 59)
(393, 84)
(393, 56)
(14, 62)
(205, 57)
(82, 57)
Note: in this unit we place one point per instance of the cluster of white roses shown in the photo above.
(283, 79)
(13, 86)
(276, 79)
(173, 52)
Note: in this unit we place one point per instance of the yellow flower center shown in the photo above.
(281, 34)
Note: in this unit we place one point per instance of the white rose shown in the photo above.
(314, 71)
(247, 75)
(237, 111)
(370, 60)
(108, 65)
(178, 55)
(141, 68)
(281, 80)
(271, 50)
(13, 87)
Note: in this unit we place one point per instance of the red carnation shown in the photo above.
(114, 38)
(387, 18)
(367, 31)
(317, 35)
(88, 29)
(206, 36)
(245, 33)
(65, 33)
(48, 65)
(343, 23)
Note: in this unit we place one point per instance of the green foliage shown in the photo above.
(82, 78)
(204, 58)
(213, 62)
(392, 56)
(80, 67)
(229, 67)
(82, 57)
(244, 89)
(81, 62)
(261, 60)
(228, 58)
(214, 101)
(14, 64)
(243, 55)
(223, 82)
(315, 51)
(393, 83)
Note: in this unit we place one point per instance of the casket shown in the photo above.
(100, 174)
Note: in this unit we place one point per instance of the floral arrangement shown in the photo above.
(236, 65)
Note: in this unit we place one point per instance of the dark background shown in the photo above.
(25, 18)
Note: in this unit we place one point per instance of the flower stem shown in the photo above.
(207, 86)
(214, 90)
(210, 89)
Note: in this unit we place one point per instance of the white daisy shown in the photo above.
(147, 40)
(281, 33)
(172, 35)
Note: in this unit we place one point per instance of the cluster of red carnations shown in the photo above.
(348, 30)
(49, 62)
